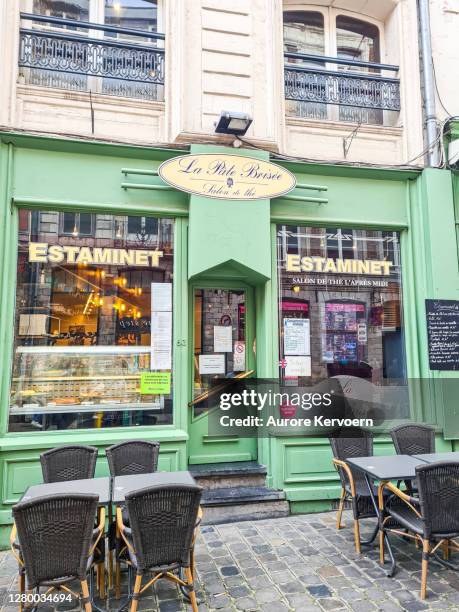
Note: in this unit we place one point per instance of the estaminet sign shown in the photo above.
(227, 177)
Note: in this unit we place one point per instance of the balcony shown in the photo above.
(332, 88)
(89, 57)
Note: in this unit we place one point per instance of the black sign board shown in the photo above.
(129, 325)
(443, 334)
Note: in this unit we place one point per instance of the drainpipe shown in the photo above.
(428, 84)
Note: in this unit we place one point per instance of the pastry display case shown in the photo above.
(66, 387)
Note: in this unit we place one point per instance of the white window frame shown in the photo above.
(330, 15)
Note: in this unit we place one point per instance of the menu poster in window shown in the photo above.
(211, 364)
(362, 333)
(161, 297)
(297, 337)
(297, 365)
(32, 324)
(239, 356)
(161, 341)
(223, 339)
(443, 334)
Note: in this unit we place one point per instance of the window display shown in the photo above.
(346, 287)
(93, 320)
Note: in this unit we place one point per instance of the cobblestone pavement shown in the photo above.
(296, 563)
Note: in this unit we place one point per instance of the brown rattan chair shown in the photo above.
(55, 542)
(74, 462)
(413, 439)
(161, 537)
(354, 488)
(130, 457)
(432, 519)
(133, 457)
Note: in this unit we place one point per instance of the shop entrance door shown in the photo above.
(223, 328)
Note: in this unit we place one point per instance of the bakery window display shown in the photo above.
(84, 337)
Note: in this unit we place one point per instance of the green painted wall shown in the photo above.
(222, 240)
(57, 174)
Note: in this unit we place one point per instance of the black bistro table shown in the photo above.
(385, 469)
(97, 486)
(433, 457)
(122, 485)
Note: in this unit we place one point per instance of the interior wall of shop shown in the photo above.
(58, 174)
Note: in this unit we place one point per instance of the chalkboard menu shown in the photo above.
(443, 334)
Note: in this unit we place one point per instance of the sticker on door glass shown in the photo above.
(239, 356)
(211, 364)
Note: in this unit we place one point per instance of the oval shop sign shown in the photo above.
(227, 177)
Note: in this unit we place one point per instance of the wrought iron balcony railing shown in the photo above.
(65, 53)
(316, 80)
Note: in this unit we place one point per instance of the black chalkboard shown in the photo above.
(443, 334)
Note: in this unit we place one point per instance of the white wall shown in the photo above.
(444, 18)
(227, 55)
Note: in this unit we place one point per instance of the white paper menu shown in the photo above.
(223, 339)
(161, 341)
(296, 337)
(161, 297)
(211, 364)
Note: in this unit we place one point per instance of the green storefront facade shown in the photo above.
(220, 248)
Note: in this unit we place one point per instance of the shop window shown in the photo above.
(93, 321)
(349, 300)
(77, 224)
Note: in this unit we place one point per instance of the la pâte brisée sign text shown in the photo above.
(228, 177)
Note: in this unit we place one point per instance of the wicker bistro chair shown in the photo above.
(413, 439)
(164, 522)
(68, 463)
(432, 519)
(130, 457)
(353, 485)
(133, 457)
(55, 542)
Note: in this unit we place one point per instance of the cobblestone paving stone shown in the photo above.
(297, 563)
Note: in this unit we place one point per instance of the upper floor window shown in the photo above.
(333, 69)
(67, 9)
(136, 14)
(105, 58)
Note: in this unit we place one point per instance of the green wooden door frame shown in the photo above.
(203, 448)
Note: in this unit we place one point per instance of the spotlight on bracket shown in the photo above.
(233, 123)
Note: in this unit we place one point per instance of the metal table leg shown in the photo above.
(393, 566)
(110, 551)
(372, 538)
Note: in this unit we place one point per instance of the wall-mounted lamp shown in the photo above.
(234, 123)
